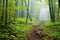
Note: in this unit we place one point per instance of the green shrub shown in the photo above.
(52, 30)
(17, 30)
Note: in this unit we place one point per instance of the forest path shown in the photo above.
(32, 33)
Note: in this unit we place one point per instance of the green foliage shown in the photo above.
(52, 30)
(23, 21)
(17, 30)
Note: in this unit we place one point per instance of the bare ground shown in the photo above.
(32, 33)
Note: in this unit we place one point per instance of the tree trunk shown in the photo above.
(28, 13)
(58, 9)
(22, 10)
(53, 14)
(51, 8)
(2, 17)
(16, 4)
(59, 3)
(6, 15)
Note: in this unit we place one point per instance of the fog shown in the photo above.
(40, 8)
(44, 12)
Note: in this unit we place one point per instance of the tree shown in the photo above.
(51, 8)
(58, 8)
(6, 14)
(2, 17)
(59, 3)
(22, 10)
(16, 11)
(28, 16)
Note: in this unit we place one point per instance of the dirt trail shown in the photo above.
(33, 35)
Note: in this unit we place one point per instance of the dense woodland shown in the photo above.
(18, 17)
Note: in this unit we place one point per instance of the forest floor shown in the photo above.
(32, 33)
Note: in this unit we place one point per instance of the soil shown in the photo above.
(32, 33)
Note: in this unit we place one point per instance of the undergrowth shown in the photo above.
(51, 30)
(17, 30)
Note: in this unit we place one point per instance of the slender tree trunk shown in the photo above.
(53, 14)
(2, 17)
(28, 16)
(58, 9)
(6, 15)
(22, 10)
(51, 8)
(16, 14)
(27, 12)
(59, 3)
